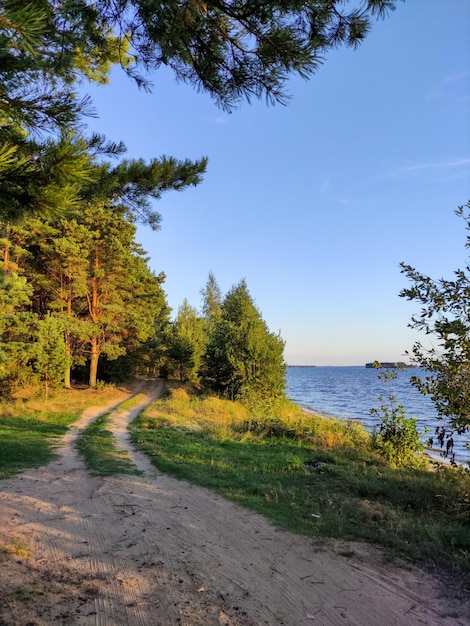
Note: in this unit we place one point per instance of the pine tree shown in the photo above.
(123, 298)
(211, 299)
(187, 342)
(43, 161)
(47, 167)
(17, 328)
(242, 356)
(51, 360)
(232, 50)
(92, 275)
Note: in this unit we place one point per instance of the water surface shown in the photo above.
(351, 392)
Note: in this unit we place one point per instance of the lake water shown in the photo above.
(351, 392)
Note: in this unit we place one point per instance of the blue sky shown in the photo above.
(315, 204)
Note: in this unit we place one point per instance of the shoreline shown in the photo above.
(435, 455)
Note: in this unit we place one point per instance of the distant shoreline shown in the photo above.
(302, 365)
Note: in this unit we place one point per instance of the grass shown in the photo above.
(132, 402)
(18, 548)
(265, 460)
(30, 429)
(29, 441)
(100, 452)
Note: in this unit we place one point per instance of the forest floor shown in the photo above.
(151, 550)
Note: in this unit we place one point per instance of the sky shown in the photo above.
(316, 203)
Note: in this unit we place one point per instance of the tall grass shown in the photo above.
(310, 475)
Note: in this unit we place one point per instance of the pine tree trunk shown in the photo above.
(68, 349)
(67, 383)
(94, 314)
(95, 354)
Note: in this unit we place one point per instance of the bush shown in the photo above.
(398, 439)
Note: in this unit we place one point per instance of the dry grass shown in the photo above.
(62, 401)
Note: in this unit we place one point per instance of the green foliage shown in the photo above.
(445, 315)
(242, 357)
(50, 354)
(80, 268)
(186, 344)
(181, 353)
(232, 51)
(43, 159)
(211, 299)
(397, 437)
(17, 328)
(94, 277)
(310, 475)
(48, 167)
(133, 185)
(242, 49)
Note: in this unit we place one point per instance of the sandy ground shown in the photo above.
(152, 550)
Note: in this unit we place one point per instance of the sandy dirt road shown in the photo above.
(151, 550)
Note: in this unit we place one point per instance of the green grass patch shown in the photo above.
(30, 440)
(128, 405)
(98, 447)
(310, 475)
(31, 427)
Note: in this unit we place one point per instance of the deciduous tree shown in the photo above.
(444, 316)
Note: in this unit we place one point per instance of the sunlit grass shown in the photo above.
(30, 441)
(30, 429)
(99, 449)
(128, 405)
(309, 474)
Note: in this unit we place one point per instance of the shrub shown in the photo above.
(397, 439)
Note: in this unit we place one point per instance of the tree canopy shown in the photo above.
(85, 279)
(233, 50)
(239, 48)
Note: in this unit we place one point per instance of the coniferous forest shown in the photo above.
(78, 300)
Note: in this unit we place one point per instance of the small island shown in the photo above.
(400, 365)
